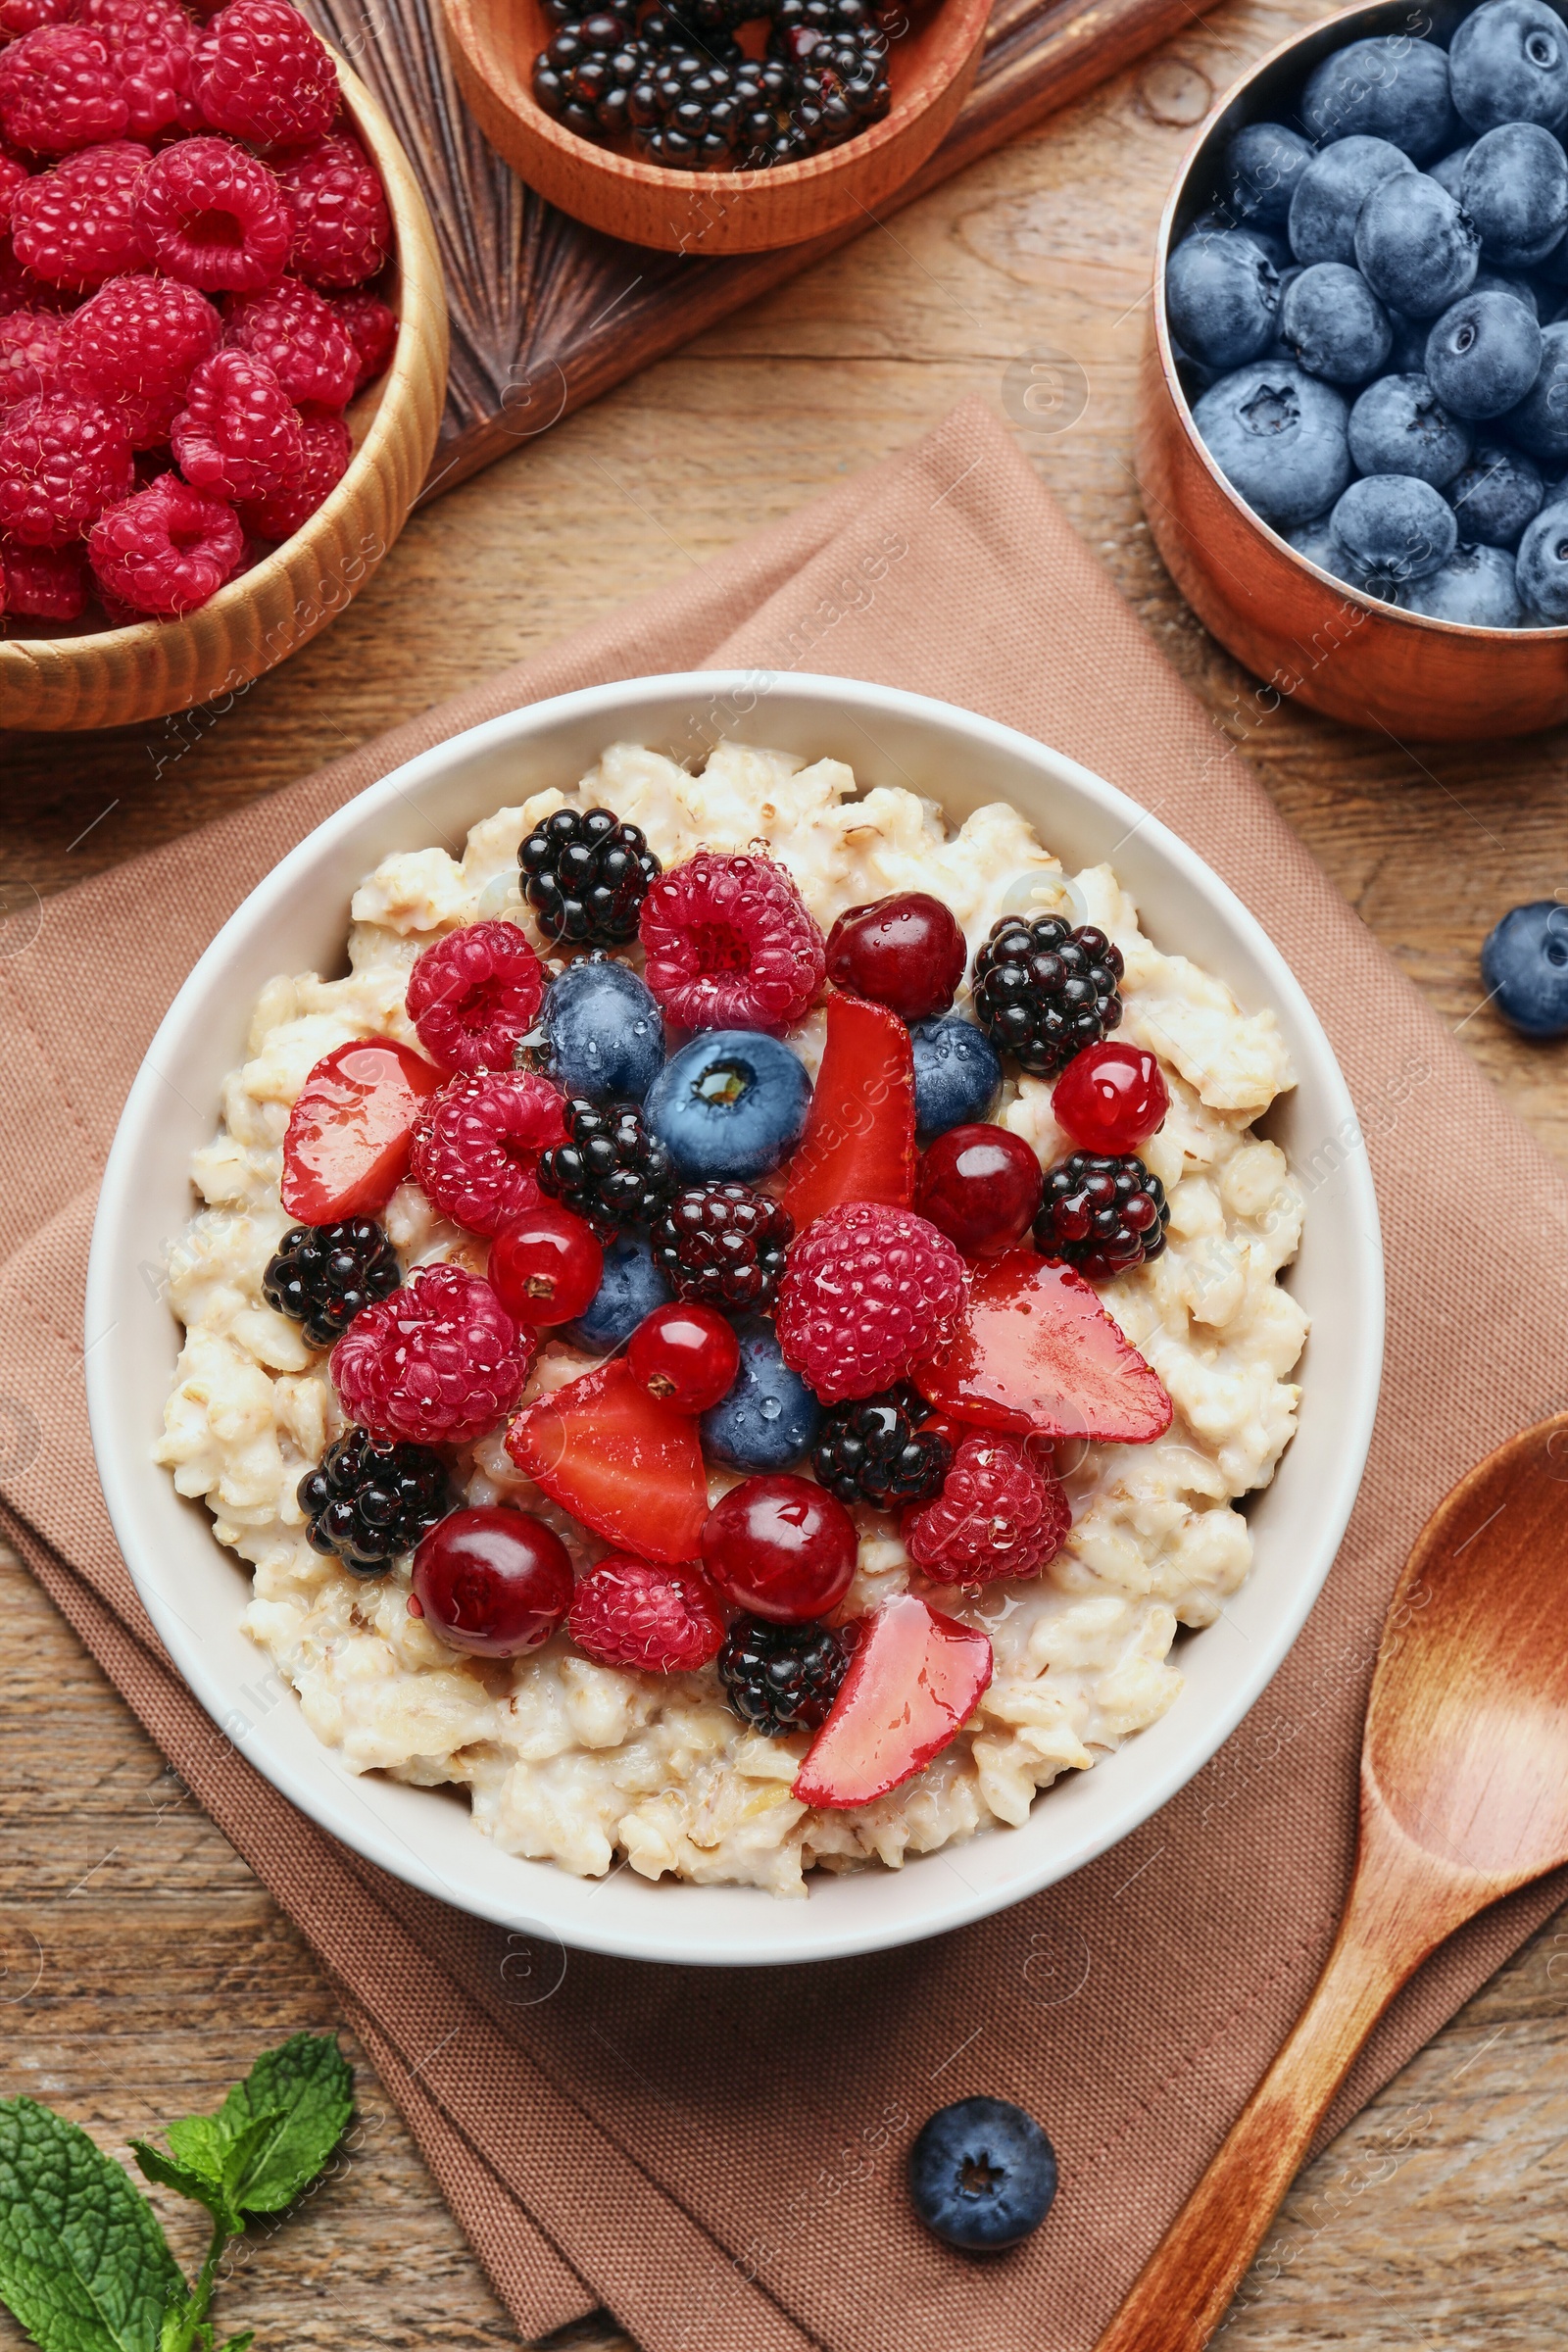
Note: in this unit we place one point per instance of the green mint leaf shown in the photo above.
(83, 2263)
(186, 2182)
(272, 2133)
(240, 2344)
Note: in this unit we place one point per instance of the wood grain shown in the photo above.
(1436, 2217)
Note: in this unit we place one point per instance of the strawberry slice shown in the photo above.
(1035, 1351)
(913, 1682)
(625, 1464)
(858, 1143)
(350, 1131)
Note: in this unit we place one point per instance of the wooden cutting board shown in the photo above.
(546, 314)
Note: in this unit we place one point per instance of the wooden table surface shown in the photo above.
(143, 1964)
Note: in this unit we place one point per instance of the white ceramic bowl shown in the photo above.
(296, 920)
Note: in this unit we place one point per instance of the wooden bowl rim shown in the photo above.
(1367, 11)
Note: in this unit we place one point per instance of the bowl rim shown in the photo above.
(1326, 34)
(672, 1923)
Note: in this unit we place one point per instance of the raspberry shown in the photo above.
(474, 995)
(238, 434)
(302, 337)
(42, 583)
(723, 1244)
(995, 1516)
(76, 225)
(261, 74)
(730, 944)
(20, 290)
(134, 345)
(373, 331)
(62, 459)
(152, 45)
(327, 451)
(13, 175)
(167, 550)
(479, 1142)
(214, 216)
(439, 1362)
(58, 91)
(18, 17)
(30, 355)
(627, 1612)
(342, 228)
(868, 1293)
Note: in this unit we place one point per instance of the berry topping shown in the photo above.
(303, 338)
(858, 1143)
(1043, 991)
(167, 550)
(327, 451)
(1035, 1351)
(76, 225)
(367, 1502)
(603, 1035)
(768, 1417)
(261, 74)
(342, 231)
(996, 1515)
(982, 2174)
(956, 1076)
(474, 995)
(62, 459)
(493, 1582)
(58, 91)
(868, 1291)
(133, 346)
(874, 1450)
(913, 1681)
(626, 1466)
(238, 435)
(350, 1130)
(373, 329)
(906, 952)
(980, 1186)
(1110, 1098)
(723, 1244)
(545, 1266)
(323, 1275)
(729, 1105)
(42, 583)
(686, 1356)
(782, 1678)
(730, 944)
(214, 217)
(1102, 1214)
(29, 356)
(781, 1549)
(441, 1361)
(477, 1145)
(610, 1170)
(585, 876)
(630, 1287)
(626, 1612)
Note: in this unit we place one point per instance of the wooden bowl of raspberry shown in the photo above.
(712, 127)
(223, 349)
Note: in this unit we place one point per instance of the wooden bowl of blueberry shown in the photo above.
(1353, 433)
(715, 126)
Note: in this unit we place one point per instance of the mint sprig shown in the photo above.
(84, 2265)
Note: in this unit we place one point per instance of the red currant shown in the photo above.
(1110, 1098)
(685, 1355)
(780, 1547)
(980, 1186)
(906, 951)
(545, 1266)
(492, 1580)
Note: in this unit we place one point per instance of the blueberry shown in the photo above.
(1475, 586)
(1448, 169)
(1495, 282)
(1524, 963)
(1398, 425)
(1415, 246)
(1542, 565)
(631, 1287)
(1335, 326)
(1399, 529)
(1483, 355)
(1540, 423)
(729, 1106)
(958, 1076)
(605, 1031)
(1508, 63)
(1391, 88)
(1277, 436)
(770, 1416)
(1321, 544)
(1262, 164)
(1515, 189)
(982, 2175)
(1223, 297)
(1330, 192)
(1496, 495)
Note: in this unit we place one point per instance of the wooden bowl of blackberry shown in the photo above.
(716, 127)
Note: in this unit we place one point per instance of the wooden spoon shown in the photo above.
(1464, 1798)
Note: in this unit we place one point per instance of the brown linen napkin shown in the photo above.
(716, 2155)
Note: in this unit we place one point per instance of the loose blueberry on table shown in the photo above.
(982, 2175)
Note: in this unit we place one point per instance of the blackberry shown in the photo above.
(1101, 1214)
(367, 1500)
(610, 1170)
(697, 110)
(782, 1678)
(1043, 991)
(322, 1275)
(839, 51)
(585, 874)
(799, 25)
(874, 1450)
(724, 1244)
(709, 24)
(585, 77)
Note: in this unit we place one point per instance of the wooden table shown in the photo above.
(164, 1965)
